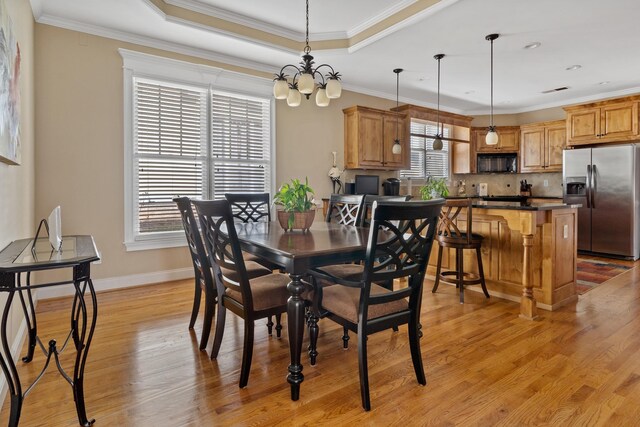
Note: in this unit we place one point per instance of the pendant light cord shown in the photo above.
(492, 83)
(397, 103)
(438, 130)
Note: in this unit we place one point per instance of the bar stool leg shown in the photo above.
(438, 269)
(481, 272)
(460, 273)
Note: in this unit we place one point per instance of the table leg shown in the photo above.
(30, 318)
(528, 308)
(295, 321)
(7, 282)
(82, 339)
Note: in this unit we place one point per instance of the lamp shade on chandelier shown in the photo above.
(303, 80)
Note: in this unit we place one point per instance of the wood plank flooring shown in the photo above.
(485, 366)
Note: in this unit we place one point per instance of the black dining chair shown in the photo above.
(254, 207)
(401, 235)
(248, 298)
(202, 270)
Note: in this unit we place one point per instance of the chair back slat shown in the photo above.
(249, 207)
(448, 227)
(344, 209)
(223, 246)
(365, 217)
(197, 250)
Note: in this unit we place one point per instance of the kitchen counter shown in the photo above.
(529, 252)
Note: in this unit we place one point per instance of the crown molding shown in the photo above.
(36, 8)
(397, 7)
(154, 43)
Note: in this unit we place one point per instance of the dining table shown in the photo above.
(296, 252)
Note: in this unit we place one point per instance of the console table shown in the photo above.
(23, 257)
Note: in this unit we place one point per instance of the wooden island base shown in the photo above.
(528, 255)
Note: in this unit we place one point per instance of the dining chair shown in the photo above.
(202, 270)
(254, 207)
(365, 216)
(400, 238)
(249, 298)
(451, 235)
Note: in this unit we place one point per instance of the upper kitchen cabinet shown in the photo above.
(508, 139)
(541, 146)
(369, 136)
(601, 122)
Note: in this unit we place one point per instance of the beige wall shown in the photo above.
(17, 182)
(545, 115)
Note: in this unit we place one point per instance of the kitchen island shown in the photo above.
(528, 252)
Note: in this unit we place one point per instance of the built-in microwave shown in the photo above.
(497, 163)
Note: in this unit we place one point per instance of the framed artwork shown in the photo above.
(9, 91)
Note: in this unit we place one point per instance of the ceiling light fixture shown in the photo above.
(397, 147)
(573, 67)
(437, 142)
(303, 81)
(604, 83)
(492, 135)
(533, 45)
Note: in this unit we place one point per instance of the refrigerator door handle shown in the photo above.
(592, 185)
(588, 192)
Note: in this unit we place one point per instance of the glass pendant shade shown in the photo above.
(397, 148)
(294, 98)
(334, 89)
(280, 89)
(492, 137)
(437, 143)
(305, 83)
(321, 98)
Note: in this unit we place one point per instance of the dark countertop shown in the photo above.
(525, 206)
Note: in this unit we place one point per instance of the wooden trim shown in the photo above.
(633, 98)
(423, 113)
(552, 123)
(360, 108)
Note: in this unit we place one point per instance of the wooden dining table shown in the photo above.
(296, 252)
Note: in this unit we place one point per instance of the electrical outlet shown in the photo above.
(546, 183)
(565, 231)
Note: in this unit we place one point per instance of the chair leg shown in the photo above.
(217, 340)
(313, 338)
(247, 353)
(196, 304)
(414, 345)
(278, 325)
(364, 370)
(438, 269)
(460, 273)
(270, 325)
(481, 273)
(345, 338)
(209, 312)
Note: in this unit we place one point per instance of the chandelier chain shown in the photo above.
(307, 49)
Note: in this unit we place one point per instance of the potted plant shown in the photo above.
(434, 188)
(296, 200)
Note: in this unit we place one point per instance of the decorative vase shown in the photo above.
(301, 220)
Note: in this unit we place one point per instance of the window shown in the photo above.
(189, 139)
(425, 161)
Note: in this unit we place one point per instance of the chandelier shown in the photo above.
(304, 80)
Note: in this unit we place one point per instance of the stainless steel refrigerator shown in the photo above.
(606, 181)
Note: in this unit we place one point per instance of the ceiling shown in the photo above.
(366, 39)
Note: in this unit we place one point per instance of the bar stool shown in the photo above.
(450, 236)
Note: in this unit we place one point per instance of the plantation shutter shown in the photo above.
(170, 130)
(425, 161)
(240, 144)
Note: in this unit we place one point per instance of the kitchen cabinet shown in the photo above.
(541, 146)
(508, 139)
(602, 122)
(369, 136)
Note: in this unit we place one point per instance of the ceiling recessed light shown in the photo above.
(573, 67)
(469, 92)
(533, 45)
(604, 83)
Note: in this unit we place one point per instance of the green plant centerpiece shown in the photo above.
(434, 188)
(297, 206)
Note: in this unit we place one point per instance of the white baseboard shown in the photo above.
(120, 282)
(16, 346)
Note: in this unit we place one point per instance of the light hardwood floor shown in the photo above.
(485, 366)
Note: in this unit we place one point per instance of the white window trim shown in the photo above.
(136, 64)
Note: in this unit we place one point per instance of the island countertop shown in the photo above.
(523, 206)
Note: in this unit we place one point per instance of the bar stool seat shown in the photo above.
(450, 236)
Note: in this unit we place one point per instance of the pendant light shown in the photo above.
(492, 135)
(397, 148)
(437, 142)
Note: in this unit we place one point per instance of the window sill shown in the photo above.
(151, 243)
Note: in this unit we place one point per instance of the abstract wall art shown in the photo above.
(9, 91)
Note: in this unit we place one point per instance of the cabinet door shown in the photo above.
(508, 140)
(390, 160)
(370, 144)
(555, 138)
(479, 136)
(584, 126)
(460, 157)
(619, 120)
(532, 153)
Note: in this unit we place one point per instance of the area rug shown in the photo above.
(592, 273)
